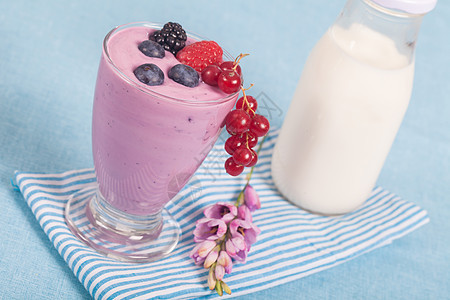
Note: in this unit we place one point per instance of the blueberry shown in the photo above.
(150, 74)
(152, 49)
(184, 75)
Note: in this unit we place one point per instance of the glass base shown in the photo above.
(118, 235)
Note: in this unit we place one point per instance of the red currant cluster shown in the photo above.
(245, 127)
(227, 75)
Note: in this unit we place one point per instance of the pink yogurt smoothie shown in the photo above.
(149, 140)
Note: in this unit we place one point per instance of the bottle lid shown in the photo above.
(409, 6)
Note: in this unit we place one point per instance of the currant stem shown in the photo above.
(243, 90)
(245, 99)
(238, 59)
(246, 140)
(249, 175)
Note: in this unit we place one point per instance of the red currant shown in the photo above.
(210, 74)
(232, 168)
(237, 121)
(229, 82)
(259, 125)
(242, 156)
(229, 65)
(232, 143)
(243, 123)
(249, 139)
(254, 159)
(249, 106)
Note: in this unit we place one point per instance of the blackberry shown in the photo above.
(172, 37)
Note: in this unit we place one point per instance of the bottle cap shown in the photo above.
(409, 6)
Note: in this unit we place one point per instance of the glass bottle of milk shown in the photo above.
(348, 106)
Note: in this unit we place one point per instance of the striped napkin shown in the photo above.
(293, 243)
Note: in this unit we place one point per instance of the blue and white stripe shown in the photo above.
(292, 244)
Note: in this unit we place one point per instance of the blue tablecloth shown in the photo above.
(49, 52)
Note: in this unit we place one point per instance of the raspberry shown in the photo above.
(201, 54)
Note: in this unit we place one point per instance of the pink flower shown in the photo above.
(209, 229)
(234, 245)
(244, 213)
(221, 211)
(251, 198)
(201, 251)
(236, 248)
(224, 260)
(211, 258)
(247, 230)
(236, 253)
(240, 256)
(219, 272)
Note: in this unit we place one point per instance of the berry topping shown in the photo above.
(201, 54)
(254, 159)
(172, 37)
(233, 168)
(233, 65)
(259, 125)
(248, 104)
(237, 121)
(245, 126)
(184, 75)
(152, 49)
(249, 139)
(232, 143)
(210, 74)
(229, 65)
(229, 82)
(243, 156)
(150, 74)
(227, 76)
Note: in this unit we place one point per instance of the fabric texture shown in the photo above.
(293, 243)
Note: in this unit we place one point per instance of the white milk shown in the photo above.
(342, 121)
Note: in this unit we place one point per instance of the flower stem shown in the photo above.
(249, 175)
(240, 197)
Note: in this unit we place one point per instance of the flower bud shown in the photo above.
(231, 249)
(251, 198)
(211, 278)
(219, 288)
(205, 247)
(201, 250)
(238, 241)
(225, 260)
(225, 288)
(244, 213)
(212, 257)
(220, 272)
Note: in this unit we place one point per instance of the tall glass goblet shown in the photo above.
(147, 143)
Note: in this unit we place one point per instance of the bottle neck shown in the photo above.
(374, 28)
